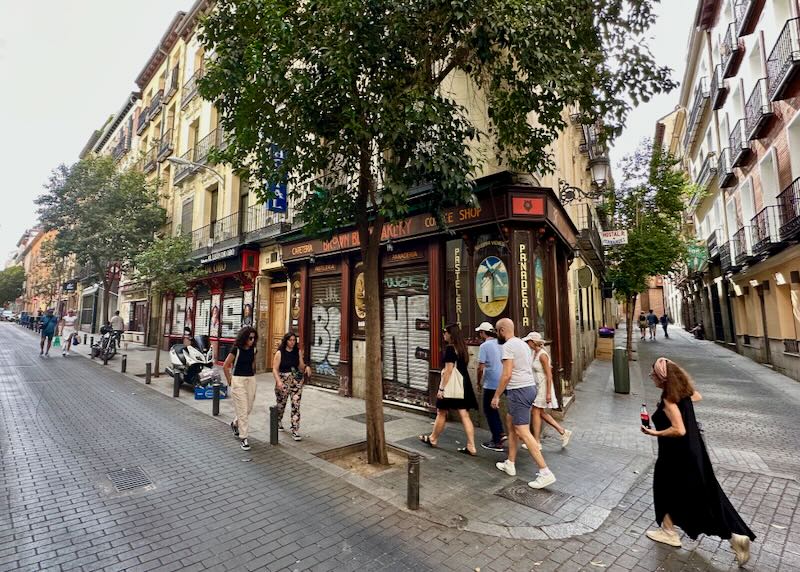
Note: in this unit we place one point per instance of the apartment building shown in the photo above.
(741, 146)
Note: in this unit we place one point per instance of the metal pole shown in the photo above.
(273, 425)
(413, 482)
(147, 372)
(105, 358)
(176, 385)
(215, 402)
(84, 339)
(124, 366)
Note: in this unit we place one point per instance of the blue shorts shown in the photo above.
(48, 334)
(520, 402)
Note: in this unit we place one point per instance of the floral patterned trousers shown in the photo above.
(293, 387)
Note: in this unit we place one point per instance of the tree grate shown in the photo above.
(362, 417)
(543, 500)
(129, 478)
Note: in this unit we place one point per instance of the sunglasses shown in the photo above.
(252, 337)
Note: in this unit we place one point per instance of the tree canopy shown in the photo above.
(12, 280)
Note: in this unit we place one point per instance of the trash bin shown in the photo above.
(622, 379)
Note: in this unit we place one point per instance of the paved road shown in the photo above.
(67, 423)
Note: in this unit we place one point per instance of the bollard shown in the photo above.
(147, 373)
(413, 482)
(215, 402)
(84, 339)
(91, 341)
(105, 358)
(124, 366)
(273, 425)
(176, 385)
(621, 369)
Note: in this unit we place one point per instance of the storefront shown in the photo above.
(133, 308)
(508, 258)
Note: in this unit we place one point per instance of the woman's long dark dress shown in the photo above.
(469, 401)
(684, 485)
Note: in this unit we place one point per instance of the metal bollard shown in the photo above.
(176, 385)
(91, 341)
(413, 482)
(124, 366)
(147, 372)
(84, 339)
(215, 402)
(105, 358)
(273, 425)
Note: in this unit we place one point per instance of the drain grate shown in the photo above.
(362, 417)
(540, 499)
(129, 478)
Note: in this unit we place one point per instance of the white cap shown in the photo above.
(534, 337)
(485, 327)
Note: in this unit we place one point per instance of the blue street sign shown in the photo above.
(278, 203)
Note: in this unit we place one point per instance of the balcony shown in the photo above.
(707, 171)
(144, 119)
(758, 111)
(155, 104)
(725, 257)
(120, 148)
(225, 232)
(201, 241)
(725, 174)
(746, 13)
(172, 83)
(589, 238)
(765, 228)
(782, 64)
(739, 144)
(742, 246)
(261, 224)
(165, 147)
(150, 157)
(712, 244)
(190, 88)
(719, 90)
(699, 104)
(789, 205)
(214, 140)
(183, 171)
(731, 51)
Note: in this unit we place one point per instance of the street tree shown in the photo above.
(648, 202)
(104, 216)
(360, 97)
(166, 267)
(12, 280)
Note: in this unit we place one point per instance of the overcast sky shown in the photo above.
(66, 65)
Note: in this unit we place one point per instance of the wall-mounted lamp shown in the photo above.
(780, 280)
(312, 259)
(389, 246)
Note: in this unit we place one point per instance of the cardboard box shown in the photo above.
(605, 348)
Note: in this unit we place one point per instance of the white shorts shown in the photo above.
(541, 396)
(67, 333)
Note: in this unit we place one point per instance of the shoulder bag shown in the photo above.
(455, 385)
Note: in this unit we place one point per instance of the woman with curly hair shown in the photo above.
(289, 371)
(240, 372)
(685, 490)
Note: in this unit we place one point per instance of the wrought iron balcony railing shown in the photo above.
(589, 238)
(261, 223)
(758, 110)
(719, 89)
(155, 105)
(742, 245)
(190, 88)
(712, 243)
(739, 144)
(166, 146)
(784, 60)
(144, 118)
(707, 171)
(225, 229)
(766, 229)
(789, 205)
(725, 174)
(214, 140)
(201, 239)
(172, 83)
(746, 13)
(150, 159)
(731, 51)
(183, 171)
(725, 256)
(699, 104)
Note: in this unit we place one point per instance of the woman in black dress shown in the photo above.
(455, 356)
(685, 490)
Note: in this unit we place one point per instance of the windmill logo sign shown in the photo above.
(491, 286)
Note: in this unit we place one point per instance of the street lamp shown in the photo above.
(599, 167)
(181, 162)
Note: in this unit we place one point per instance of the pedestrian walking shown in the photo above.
(665, 324)
(545, 392)
(685, 490)
(47, 329)
(289, 369)
(652, 323)
(519, 385)
(456, 358)
(490, 366)
(118, 325)
(239, 369)
(67, 332)
(642, 324)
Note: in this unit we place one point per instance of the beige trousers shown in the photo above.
(243, 393)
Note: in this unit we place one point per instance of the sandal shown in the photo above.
(466, 451)
(427, 440)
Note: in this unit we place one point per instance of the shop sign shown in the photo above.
(524, 285)
(69, 286)
(491, 285)
(528, 206)
(400, 257)
(221, 255)
(457, 284)
(278, 203)
(614, 237)
(359, 302)
(323, 268)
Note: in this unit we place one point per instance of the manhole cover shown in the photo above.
(129, 478)
(362, 417)
(543, 500)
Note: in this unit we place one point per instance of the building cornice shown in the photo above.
(160, 54)
(189, 23)
(695, 42)
(117, 119)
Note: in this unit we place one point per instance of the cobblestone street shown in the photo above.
(67, 423)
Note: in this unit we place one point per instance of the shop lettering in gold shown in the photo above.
(457, 282)
(523, 284)
(306, 248)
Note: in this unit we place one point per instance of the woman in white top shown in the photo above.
(546, 395)
(67, 331)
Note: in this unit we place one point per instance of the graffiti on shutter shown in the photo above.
(406, 327)
(202, 317)
(179, 316)
(231, 313)
(326, 319)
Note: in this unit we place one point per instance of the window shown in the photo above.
(793, 136)
(747, 201)
(769, 179)
(186, 215)
(733, 219)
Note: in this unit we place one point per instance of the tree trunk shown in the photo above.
(376, 435)
(161, 318)
(629, 315)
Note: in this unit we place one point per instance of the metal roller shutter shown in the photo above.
(231, 313)
(202, 318)
(326, 320)
(178, 315)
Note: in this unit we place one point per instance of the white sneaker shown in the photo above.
(507, 467)
(539, 445)
(741, 548)
(542, 481)
(664, 537)
(566, 437)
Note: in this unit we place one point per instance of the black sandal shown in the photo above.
(466, 451)
(427, 440)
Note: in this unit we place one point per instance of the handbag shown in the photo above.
(76, 339)
(455, 385)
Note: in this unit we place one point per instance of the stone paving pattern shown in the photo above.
(66, 423)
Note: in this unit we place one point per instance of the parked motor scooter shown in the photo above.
(193, 365)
